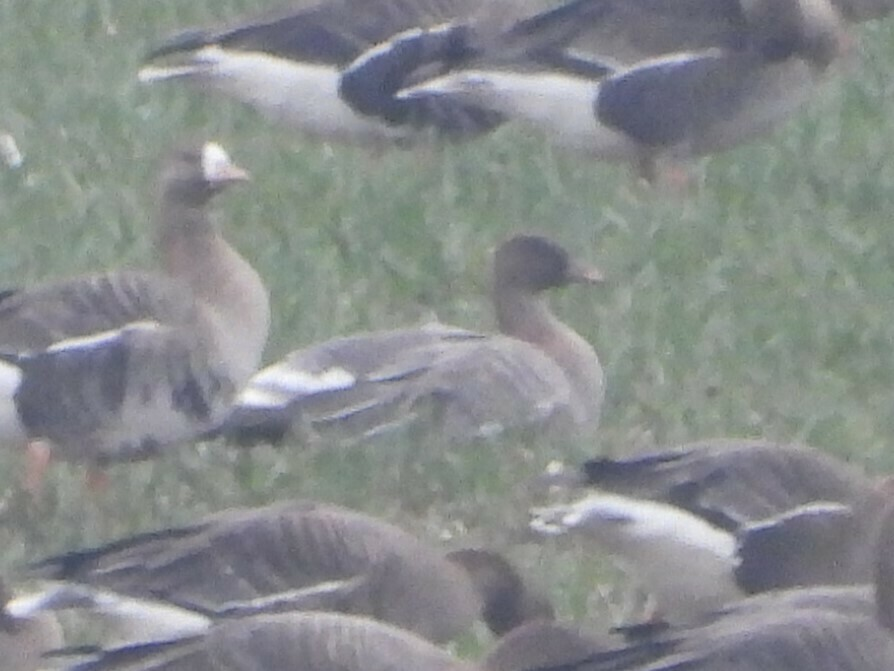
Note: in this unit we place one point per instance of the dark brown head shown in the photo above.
(507, 601)
(192, 175)
(808, 29)
(534, 263)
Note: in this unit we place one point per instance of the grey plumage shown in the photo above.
(731, 482)
(309, 641)
(799, 516)
(806, 629)
(462, 384)
(305, 555)
(686, 79)
(287, 65)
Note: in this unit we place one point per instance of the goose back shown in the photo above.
(314, 641)
(315, 555)
(731, 482)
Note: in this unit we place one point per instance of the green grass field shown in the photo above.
(761, 305)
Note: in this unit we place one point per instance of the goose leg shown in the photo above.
(97, 479)
(37, 459)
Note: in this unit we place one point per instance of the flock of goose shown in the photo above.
(755, 555)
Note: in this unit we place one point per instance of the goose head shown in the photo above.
(507, 600)
(810, 29)
(194, 174)
(533, 263)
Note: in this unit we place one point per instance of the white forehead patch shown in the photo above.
(216, 163)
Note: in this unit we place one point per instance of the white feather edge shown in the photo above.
(299, 94)
(280, 384)
(126, 620)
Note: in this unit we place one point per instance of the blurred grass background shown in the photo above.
(761, 305)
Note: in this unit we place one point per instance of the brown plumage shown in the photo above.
(337, 642)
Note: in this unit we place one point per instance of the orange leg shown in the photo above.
(97, 480)
(37, 459)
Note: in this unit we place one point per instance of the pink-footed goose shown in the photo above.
(742, 69)
(466, 384)
(716, 520)
(802, 629)
(307, 556)
(287, 64)
(116, 366)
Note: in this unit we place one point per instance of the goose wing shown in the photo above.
(316, 642)
(468, 383)
(730, 482)
(35, 318)
(122, 394)
(301, 554)
(332, 32)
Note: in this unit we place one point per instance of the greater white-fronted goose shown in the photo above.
(115, 367)
(805, 629)
(764, 64)
(27, 631)
(287, 65)
(466, 384)
(698, 532)
(308, 556)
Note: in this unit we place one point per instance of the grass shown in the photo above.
(761, 305)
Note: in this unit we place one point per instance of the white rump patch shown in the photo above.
(103, 338)
(151, 73)
(128, 620)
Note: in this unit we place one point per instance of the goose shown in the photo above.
(339, 642)
(697, 536)
(536, 372)
(287, 64)
(116, 366)
(27, 631)
(303, 555)
(802, 629)
(688, 101)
